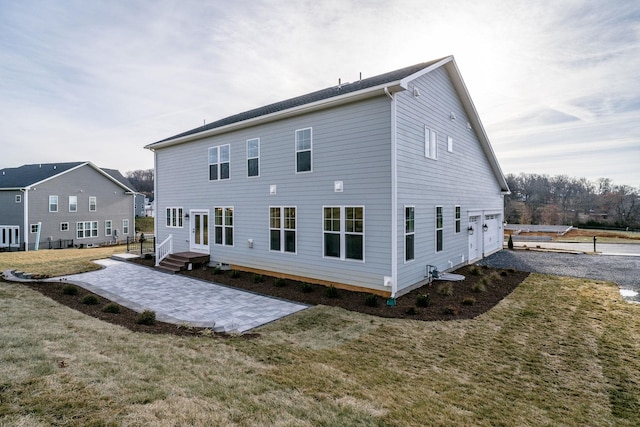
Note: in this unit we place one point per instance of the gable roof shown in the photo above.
(387, 83)
(27, 176)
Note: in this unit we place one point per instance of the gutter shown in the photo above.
(394, 197)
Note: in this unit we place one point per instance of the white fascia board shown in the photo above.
(392, 87)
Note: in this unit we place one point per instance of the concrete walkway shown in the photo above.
(179, 299)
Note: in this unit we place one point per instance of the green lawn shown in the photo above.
(557, 351)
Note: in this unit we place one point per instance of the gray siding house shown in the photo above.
(362, 185)
(65, 204)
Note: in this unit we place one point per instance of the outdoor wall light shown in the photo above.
(186, 216)
(452, 116)
(485, 227)
(470, 230)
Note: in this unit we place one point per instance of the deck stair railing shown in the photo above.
(164, 249)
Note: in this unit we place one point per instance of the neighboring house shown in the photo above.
(141, 201)
(76, 204)
(362, 185)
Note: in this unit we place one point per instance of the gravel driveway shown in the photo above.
(623, 270)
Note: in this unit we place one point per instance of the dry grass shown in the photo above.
(558, 351)
(60, 262)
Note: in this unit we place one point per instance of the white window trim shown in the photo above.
(457, 220)
(176, 216)
(64, 223)
(57, 203)
(430, 143)
(76, 203)
(283, 229)
(90, 229)
(108, 231)
(253, 157)
(219, 162)
(33, 228)
(343, 233)
(125, 227)
(450, 144)
(95, 204)
(18, 198)
(412, 233)
(224, 226)
(310, 150)
(435, 217)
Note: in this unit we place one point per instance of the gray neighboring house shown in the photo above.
(362, 186)
(77, 204)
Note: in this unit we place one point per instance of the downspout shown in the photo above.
(155, 200)
(394, 198)
(25, 221)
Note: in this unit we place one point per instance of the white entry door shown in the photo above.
(475, 238)
(199, 223)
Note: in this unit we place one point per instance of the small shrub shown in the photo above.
(89, 299)
(371, 300)
(148, 256)
(494, 276)
(217, 270)
(474, 271)
(485, 281)
(257, 278)
(510, 242)
(478, 287)
(445, 289)
(306, 287)
(451, 311)
(423, 300)
(147, 317)
(111, 307)
(411, 311)
(469, 301)
(279, 282)
(70, 290)
(235, 274)
(504, 273)
(331, 292)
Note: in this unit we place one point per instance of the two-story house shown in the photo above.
(63, 205)
(361, 185)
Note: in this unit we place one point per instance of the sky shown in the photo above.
(556, 83)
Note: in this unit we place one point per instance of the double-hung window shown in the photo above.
(92, 204)
(457, 219)
(73, 203)
(86, 229)
(125, 226)
(223, 226)
(174, 217)
(344, 232)
(304, 145)
(282, 229)
(430, 143)
(253, 157)
(439, 229)
(53, 203)
(108, 228)
(409, 233)
(219, 160)
(18, 198)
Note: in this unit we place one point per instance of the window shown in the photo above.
(174, 217)
(303, 150)
(409, 233)
(73, 203)
(450, 144)
(86, 229)
(439, 227)
(64, 226)
(53, 203)
(108, 228)
(457, 219)
(18, 198)
(430, 143)
(125, 226)
(282, 229)
(92, 204)
(219, 162)
(223, 226)
(344, 232)
(34, 228)
(253, 157)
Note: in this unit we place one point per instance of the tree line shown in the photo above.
(555, 200)
(142, 181)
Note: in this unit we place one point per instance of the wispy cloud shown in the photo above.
(99, 80)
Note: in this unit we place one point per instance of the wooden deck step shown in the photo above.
(180, 261)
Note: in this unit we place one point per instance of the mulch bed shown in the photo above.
(465, 301)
